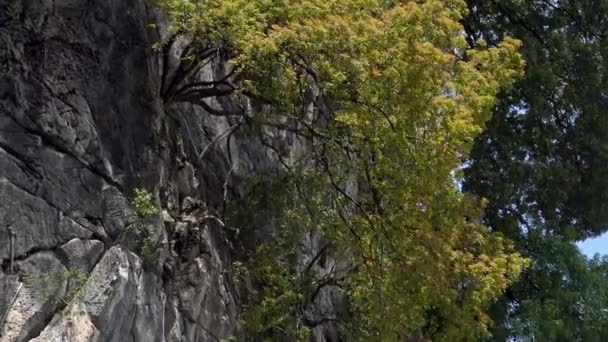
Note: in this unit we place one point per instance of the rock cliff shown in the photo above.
(83, 122)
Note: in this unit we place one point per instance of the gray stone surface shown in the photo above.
(74, 324)
(110, 294)
(83, 123)
(10, 286)
(37, 297)
(81, 254)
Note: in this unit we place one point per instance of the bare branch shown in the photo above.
(220, 222)
(317, 257)
(229, 131)
(214, 111)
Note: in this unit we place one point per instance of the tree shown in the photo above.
(540, 162)
(390, 99)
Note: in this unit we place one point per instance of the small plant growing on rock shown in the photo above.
(144, 210)
(239, 272)
(149, 251)
(143, 203)
(47, 286)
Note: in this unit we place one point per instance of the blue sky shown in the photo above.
(592, 246)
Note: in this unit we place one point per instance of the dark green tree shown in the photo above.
(542, 164)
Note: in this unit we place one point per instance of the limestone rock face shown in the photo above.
(82, 123)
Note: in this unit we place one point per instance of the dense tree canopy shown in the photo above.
(391, 98)
(541, 163)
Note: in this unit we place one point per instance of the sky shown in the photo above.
(591, 246)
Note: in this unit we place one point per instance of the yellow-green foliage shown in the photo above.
(407, 99)
(143, 203)
(275, 312)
